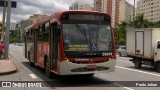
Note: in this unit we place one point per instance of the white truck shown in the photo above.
(143, 46)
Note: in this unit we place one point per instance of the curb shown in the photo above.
(7, 66)
(9, 72)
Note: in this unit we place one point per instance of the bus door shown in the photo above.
(35, 46)
(54, 46)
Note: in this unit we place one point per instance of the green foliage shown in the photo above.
(139, 22)
(15, 38)
(120, 33)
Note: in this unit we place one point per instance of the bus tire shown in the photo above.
(158, 67)
(30, 62)
(47, 68)
(137, 63)
(90, 75)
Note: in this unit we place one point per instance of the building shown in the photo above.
(80, 6)
(22, 25)
(107, 6)
(36, 17)
(119, 10)
(126, 11)
(12, 28)
(150, 9)
(25, 23)
(97, 5)
(0, 29)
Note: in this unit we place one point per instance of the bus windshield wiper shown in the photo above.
(84, 31)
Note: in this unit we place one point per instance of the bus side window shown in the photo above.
(29, 36)
(40, 34)
(43, 33)
(32, 35)
(46, 32)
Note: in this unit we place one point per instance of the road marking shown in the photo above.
(123, 86)
(139, 71)
(124, 61)
(33, 76)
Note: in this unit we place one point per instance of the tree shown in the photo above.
(157, 24)
(140, 22)
(15, 38)
(120, 33)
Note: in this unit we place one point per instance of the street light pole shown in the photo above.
(134, 13)
(7, 31)
(3, 21)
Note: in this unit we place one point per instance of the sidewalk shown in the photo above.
(7, 66)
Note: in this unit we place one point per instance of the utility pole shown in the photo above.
(7, 31)
(3, 21)
(134, 13)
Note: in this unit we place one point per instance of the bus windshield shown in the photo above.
(87, 37)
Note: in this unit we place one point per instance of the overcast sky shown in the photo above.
(26, 8)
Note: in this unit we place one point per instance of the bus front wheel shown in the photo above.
(47, 68)
(90, 75)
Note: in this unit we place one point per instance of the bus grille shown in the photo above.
(84, 69)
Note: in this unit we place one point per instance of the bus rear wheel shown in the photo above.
(47, 68)
(30, 62)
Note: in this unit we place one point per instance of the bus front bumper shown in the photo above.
(69, 68)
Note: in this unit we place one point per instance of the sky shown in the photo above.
(26, 8)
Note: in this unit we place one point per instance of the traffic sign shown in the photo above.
(13, 3)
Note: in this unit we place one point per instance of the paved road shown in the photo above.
(125, 71)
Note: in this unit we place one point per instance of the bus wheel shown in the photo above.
(47, 68)
(31, 63)
(137, 63)
(158, 67)
(90, 75)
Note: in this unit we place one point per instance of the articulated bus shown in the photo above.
(72, 43)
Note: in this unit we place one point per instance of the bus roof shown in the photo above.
(27, 28)
(60, 13)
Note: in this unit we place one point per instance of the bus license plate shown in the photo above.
(91, 67)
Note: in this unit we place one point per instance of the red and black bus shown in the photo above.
(71, 43)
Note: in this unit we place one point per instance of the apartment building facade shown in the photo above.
(126, 11)
(25, 23)
(150, 9)
(107, 6)
(119, 10)
(36, 17)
